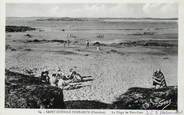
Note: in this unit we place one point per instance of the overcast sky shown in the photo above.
(153, 10)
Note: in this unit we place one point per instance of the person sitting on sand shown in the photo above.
(61, 83)
(74, 75)
(159, 79)
(60, 74)
(45, 76)
(58, 82)
(53, 80)
(64, 84)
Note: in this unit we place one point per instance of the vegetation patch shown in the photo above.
(148, 98)
(23, 91)
(19, 28)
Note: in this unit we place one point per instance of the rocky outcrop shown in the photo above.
(22, 91)
(19, 28)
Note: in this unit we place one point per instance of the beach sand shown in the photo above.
(108, 72)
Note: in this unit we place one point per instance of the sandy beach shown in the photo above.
(129, 53)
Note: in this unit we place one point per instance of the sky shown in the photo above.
(121, 10)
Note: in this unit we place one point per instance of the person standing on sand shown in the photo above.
(87, 44)
(68, 42)
(67, 37)
(64, 43)
(97, 48)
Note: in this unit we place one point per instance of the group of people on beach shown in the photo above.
(68, 43)
(87, 44)
(59, 78)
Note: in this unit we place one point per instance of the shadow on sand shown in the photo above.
(86, 104)
(76, 86)
(86, 76)
(134, 98)
(86, 80)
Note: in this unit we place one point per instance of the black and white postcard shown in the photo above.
(93, 58)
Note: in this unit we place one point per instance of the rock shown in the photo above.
(19, 28)
(98, 44)
(28, 35)
(23, 91)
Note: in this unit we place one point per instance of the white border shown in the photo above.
(91, 1)
(36, 111)
(181, 57)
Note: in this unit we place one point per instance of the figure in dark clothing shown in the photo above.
(87, 44)
(64, 43)
(68, 42)
(45, 76)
